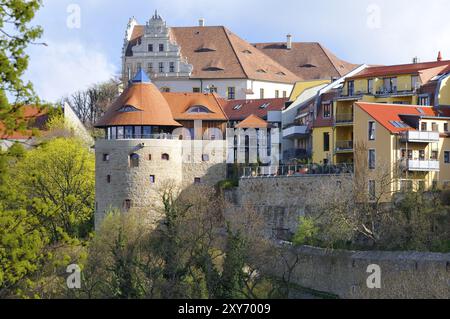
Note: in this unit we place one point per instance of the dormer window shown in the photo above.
(213, 68)
(205, 49)
(281, 73)
(247, 52)
(198, 109)
(308, 65)
(128, 108)
(261, 71)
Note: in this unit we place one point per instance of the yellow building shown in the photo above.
(425, 84)
(401, 147)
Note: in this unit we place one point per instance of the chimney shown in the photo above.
(415, 60)
(201, 22)
(439, 58)
(289, 42)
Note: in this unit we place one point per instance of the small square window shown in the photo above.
(197, 180)
(152, 179)
(105, 157)
(205, 158)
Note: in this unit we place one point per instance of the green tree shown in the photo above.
(15, 36)
(58, 180)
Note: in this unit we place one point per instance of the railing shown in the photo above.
(295, 153)
(296, 170)
(162, 136)
(344, 118)
(344, 145)
(421, 165)
(420, 136)
(295, 130)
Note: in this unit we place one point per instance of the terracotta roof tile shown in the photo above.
(180, 103)
(385, 113)
(253, 121)
(309, 61)
(36, 118)
(414, 68)
(228, 56)
(248, 107)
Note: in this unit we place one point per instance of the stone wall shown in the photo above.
(280, 200)
(344, 273)
(134, 183)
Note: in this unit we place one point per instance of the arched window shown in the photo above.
(165, 157)
(134, 160)
(198, 109)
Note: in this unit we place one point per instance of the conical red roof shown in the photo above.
(140, 104)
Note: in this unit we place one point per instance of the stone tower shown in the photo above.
(141, 150)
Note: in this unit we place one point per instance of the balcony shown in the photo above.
(344, 146)
(421, 165)
(295, 131)
(349, 96)
(296, 153)
(344, 118)
(420, 137)
(393, 91)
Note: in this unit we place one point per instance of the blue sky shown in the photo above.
(360, 31)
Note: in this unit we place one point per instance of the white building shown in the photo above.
(202, 59)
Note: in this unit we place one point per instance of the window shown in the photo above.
(370, 86)
(351, 88)
(205, 158)
(327, 110)
(196, 90)
(149, 157)
(152, 179)
(161, 47)
(434, 127)
(326, 142)
(146, 131)
(422, 155)
(434, 155)
(410, 154)
(150, 68)
(165, 89)
(105, 157)
(150, 48)
(261, 93)
(120, 132)
(127, 205)
(108, 179)
(128, 132)
(231, 93)
(165, 157)
(447, 157)
(424, 126)
(134, 160)
(284, 94)
(371, 131)
(197, 180)
(415, 82)
(445, 127)
(371, 159)
(372, 190)
(277, 94)
(138, 66)
(390, 85)
(172, 67)
(161, 67)
(212, 89)
(198, 109)
(424, 100)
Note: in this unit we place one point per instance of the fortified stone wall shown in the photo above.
(140, 185)
(345, 273)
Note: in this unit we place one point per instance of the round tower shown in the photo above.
(138, 152)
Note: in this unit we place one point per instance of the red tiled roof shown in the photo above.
(385, 113)
(253, 121)
(180, 103)
(414, 68)
(309, 61)
(229, 56)
(249, 107)
(35, 117)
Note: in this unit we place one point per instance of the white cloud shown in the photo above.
(63, 68)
